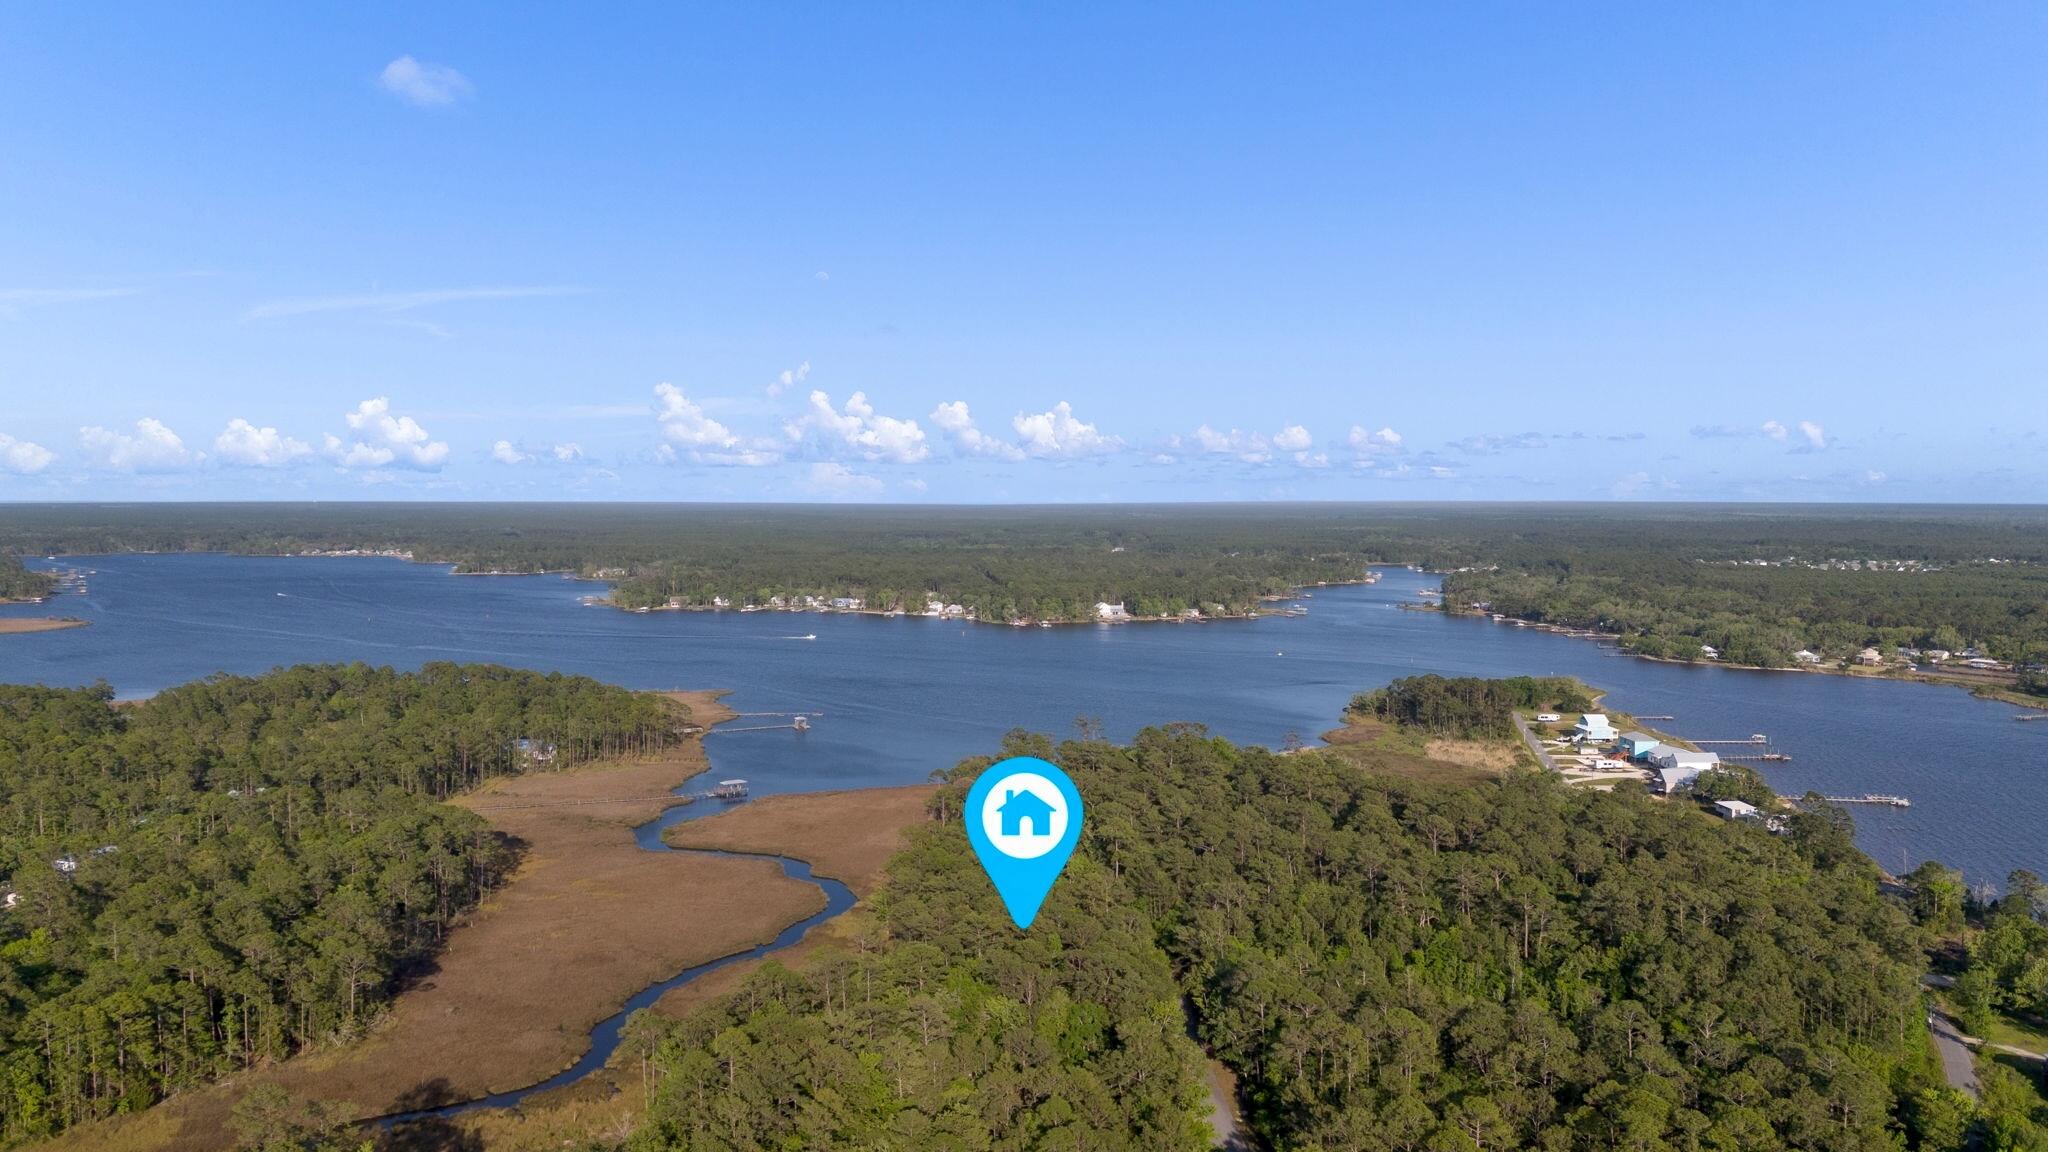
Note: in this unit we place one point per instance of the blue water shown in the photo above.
(902, 697)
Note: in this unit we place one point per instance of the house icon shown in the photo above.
(1022, 808)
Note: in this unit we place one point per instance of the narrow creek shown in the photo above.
(606, 1036)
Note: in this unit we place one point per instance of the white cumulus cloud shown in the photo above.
(1367, 441)
(1257, 447)
(836, 479)
(506, 452)
(153, 447)
(1058, 434)
(424, 85)
(955, 421)
(1815, 436)
(790, 378)
(860, 430)
(383, 440)
(23, 457)
(1774, 430)
(244, 443)
(687, 430)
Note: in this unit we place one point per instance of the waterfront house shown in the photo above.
(1107, 611)
(1674, 768)
(1805, 656)
(1637, 745)
(1983, 662)
(1938, 655)
(1709, 652)
(1870, 657)
(1734, 810)
(847, 603)
(1593, 726)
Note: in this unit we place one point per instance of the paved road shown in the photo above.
(1535, 743)
(1958, 1063)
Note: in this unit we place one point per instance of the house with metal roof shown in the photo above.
(1674, 768)
(1638, 745)
(1593, 726)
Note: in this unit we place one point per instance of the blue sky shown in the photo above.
(1080, 252)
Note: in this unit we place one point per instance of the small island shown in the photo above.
(13, 625)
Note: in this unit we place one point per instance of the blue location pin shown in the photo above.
(1023, 817)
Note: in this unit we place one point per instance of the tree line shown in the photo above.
(20, 583)
(1468, 707)
(1669, 577)
(239, 868)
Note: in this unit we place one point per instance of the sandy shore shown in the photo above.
(12, 625)
(587, 920)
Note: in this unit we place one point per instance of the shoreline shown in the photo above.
(2004, 694)
(455, 569)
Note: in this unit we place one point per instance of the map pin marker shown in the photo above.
(1023, 817)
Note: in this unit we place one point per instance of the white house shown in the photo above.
(1937, 655)
(1805, 656)
(1709, 652)
(1673, 768)
(1870, 656)
(1107, 611)
(1734, 810)
(1593, 726)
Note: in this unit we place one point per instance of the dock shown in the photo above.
(798, 722)
(1871, 798)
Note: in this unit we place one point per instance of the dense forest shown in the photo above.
(1671, 604)
(1757, 582)
(19, 583)
(1467, 706)
(239, 868)
(1386, 965)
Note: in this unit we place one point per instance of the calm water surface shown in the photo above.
(902, 697)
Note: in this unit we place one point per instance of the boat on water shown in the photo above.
(729, 790)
